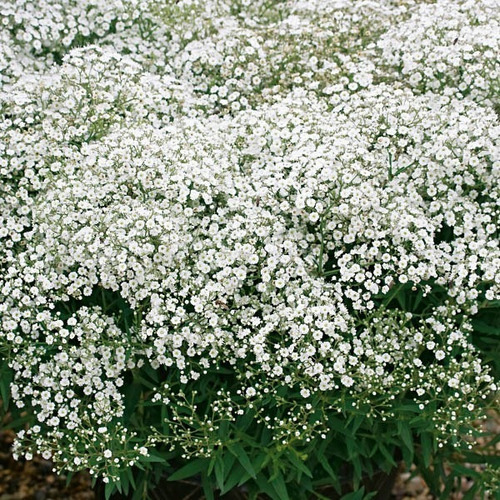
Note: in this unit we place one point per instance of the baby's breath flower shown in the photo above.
(259, 199)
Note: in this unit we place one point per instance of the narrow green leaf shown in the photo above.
(478, 458)
(333, 476)
(426, 441)
(229, 460)
(146, 383)
(352, 447)
(241, 455)
(358, 471)
(418, 299)
(109, 489)
(357, 422)
(132, 396)
(151, 372)
(260, 461)
(298, 463)
(138, 492)
(404, 432)
(265, 486)
(130, 476)
(69, 477)
(463, 471)
(211, 464)
(355, 495)
(189, 470)
(119, 487)
(387, 455)
(153, 458)
(279, 485)
(206, 484)
(5, 382)
(237, 477)
(223, 429)
(482, 327)
(265, 437)
(244, 422)
(337, 425)
(124, 482)
(219, 472)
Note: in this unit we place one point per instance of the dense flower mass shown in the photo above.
(457, 55)
(296, 201)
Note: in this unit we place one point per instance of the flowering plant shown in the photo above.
(252, 243)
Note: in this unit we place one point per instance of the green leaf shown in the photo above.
(358, 471)
(387, 455)
(206, 484)
(407, 449)
(119, 487)
(152, 458)
(69, 477)
(279, 486)
(478, 458)
(404, 432)
(229, 461)
(352, 447)
(138, 493)
(223, 429)
(219, 472)
(237, 476)
(358, 420)
(146, 383)
(244, 422)
(337, 425)
(18, 422)
(266, 436)
(462, 471)
(189, 470)
(211, 464)
(109, 489)
(298, 463)
(401, 298)
(5, 383)
(265, 486)
(418, 299)
(130, 476)
(334, 477)
(241, 455)
(482, 327)
(132, 396)
(355, 495)
(124, 484)
(426, 441)
(260, 461)
(449, 486)
(151, 372)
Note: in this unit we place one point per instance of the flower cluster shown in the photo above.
(457, 55)
(293, 194)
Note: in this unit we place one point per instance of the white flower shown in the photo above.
(440, 355)
(305, 393)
